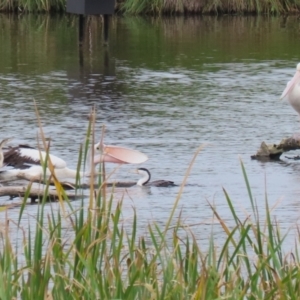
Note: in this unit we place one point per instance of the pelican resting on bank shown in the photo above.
(26, 162)
(292, 91)
(145, 180)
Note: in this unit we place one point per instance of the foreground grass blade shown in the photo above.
(89, 250)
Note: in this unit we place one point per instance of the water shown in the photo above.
(164, 87)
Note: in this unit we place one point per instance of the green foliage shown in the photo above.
(158, 7)
(102, 257)
(135, 7)
(32, 5)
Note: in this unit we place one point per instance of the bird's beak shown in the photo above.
(120, 155)
(291, 84)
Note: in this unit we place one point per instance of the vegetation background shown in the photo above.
(167, 7)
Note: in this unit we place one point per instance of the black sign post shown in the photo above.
(91, 7)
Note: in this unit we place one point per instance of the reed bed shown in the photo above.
(213, 7)
(159, 7)
(36, 6)
(85, 250)
(103, 257)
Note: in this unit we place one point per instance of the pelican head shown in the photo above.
(2, 143)
(117, 154)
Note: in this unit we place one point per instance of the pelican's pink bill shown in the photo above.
(121, 155)
(290, 85)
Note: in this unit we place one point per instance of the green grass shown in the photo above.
(104, 257)
(36, 6)
(159, 7)
(174, 7)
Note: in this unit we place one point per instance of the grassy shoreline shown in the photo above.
(166, 7)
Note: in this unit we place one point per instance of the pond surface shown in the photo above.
(164, 87)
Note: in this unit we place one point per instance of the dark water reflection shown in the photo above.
(165, 87)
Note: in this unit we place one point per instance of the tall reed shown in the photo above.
(171, 7)
(36, 6)
(104, 257)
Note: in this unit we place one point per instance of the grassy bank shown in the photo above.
(89, 251)
(159, 7)
(35, 6)
(171, 7)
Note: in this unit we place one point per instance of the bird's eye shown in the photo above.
(98, 148)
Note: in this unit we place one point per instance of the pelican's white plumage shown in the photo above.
(27, 162)
(36, 156)
(292, 91)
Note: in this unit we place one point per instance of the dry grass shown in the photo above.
(231, 7)
(102, 256)
(88, 251)
(32, 5)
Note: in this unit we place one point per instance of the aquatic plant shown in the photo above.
(85, 250)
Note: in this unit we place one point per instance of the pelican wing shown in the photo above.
(121, 155)
(23, 158)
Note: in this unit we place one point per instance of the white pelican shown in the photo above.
(27, 162)
(292, 91)
(144, 181)
(3, 143)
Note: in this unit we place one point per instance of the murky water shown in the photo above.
(165, 87)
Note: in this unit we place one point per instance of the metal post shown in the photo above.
(105, 27)
(81, 29)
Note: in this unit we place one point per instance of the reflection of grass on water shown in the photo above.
(105, 259)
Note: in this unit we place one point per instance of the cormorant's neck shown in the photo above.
(144, 180)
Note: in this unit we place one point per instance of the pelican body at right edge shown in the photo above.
(292, 91)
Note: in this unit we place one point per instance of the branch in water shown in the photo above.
(34, 193)
(274, 151)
